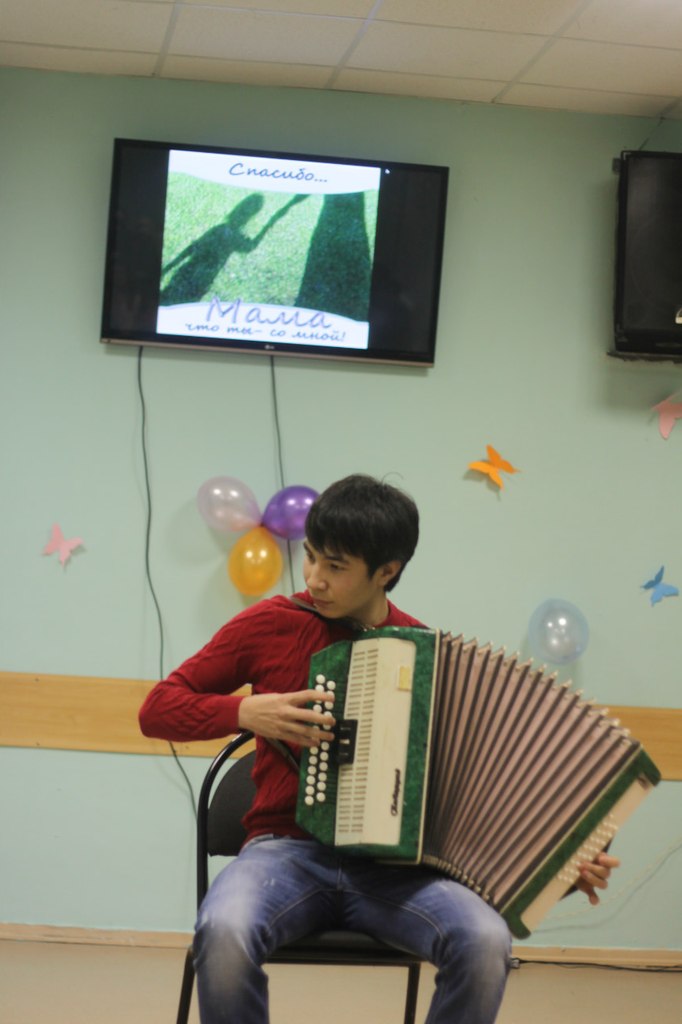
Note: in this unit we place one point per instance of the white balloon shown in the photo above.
(558, 632)
(228, 504)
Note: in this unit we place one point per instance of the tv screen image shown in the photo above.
(239, 250)
(222, 271)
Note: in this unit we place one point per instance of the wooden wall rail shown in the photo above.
(98, 714)
(82, 713)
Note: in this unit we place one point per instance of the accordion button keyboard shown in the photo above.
(318, 757)
(325, 688)
(315, 788)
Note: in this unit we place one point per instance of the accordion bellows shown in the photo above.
(458, 757)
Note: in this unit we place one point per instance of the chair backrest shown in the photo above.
(231, 799)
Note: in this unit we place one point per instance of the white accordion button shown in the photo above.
(309, 801)
(321, 798)
(320, 680)
(331, 685)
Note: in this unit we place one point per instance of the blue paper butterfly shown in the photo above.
(659, 589)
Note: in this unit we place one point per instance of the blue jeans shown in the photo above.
(280, 889)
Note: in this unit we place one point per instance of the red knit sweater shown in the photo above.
(268, 646)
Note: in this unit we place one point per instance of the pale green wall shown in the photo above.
(105, 840)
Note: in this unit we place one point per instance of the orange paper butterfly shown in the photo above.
(492, 466)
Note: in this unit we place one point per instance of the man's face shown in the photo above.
(341, 586)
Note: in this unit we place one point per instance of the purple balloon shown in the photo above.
(287, 511)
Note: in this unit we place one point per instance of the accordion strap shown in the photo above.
(353, 624)
(286, 752)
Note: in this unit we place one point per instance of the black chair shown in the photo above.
(224, 799)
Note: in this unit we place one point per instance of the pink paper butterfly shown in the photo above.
(668, 412)
(58, 542)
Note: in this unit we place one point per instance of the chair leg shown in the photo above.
(412, 993)
(186, 989)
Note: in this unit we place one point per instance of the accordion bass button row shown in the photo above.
(318, 759)
(597, 841)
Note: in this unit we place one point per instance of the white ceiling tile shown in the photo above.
(87, 62)
(465, 89)
(606, 55)
(255, 36)
(613, 68)
(639, 22)
(543, 17)
(459, 53)
(105, 25)
(204, 69)
(584, 100)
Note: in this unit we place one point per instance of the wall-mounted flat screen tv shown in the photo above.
(227, 249)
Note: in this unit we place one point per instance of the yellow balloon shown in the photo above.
(255, 562)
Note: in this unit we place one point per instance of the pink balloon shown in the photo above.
(228, 504)
(285, 514)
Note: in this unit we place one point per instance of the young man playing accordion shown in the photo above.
(283, 885)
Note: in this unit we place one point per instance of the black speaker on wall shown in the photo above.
(648, 299)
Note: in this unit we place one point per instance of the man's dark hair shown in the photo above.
(365, 518)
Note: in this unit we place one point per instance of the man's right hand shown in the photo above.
(284, 716)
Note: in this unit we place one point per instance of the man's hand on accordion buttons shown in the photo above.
(286, 716)
(595, 876)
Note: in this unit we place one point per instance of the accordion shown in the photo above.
(460, 758)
